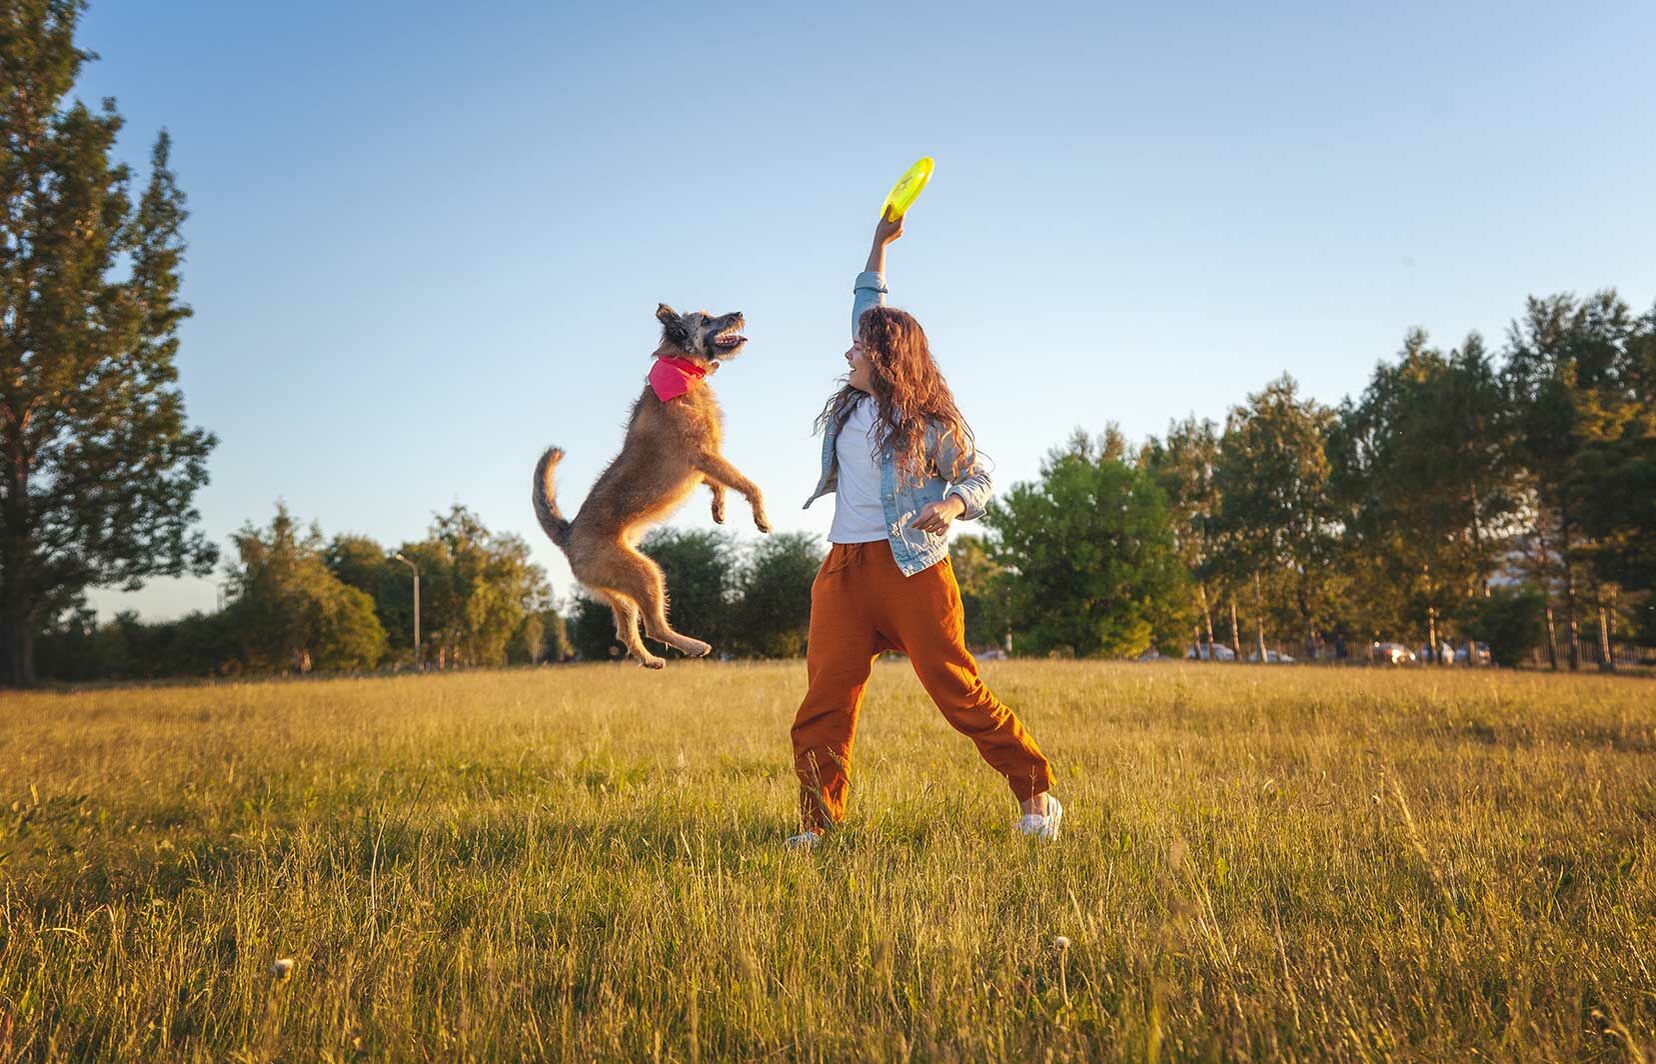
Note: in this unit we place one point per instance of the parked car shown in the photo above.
(1210, 652)
(1473, 653)
(1272, 658)
(1393, 653)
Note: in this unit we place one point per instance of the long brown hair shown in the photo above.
(909, 392)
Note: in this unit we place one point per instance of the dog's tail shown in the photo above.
(546, 503)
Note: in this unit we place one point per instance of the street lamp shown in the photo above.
(416, 568)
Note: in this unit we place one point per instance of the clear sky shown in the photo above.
(427, 241)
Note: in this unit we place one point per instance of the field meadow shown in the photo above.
(585, 863)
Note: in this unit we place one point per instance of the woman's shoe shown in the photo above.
(805, 840)
(1044, 827)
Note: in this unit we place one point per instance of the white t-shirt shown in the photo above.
(859, 516)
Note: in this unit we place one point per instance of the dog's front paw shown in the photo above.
(761, 522)
(650, 661)
(718, 514)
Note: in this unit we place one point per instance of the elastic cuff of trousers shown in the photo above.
(1026, 787)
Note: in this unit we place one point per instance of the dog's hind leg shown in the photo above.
(648, 588)
(718, 491)
(626, 628)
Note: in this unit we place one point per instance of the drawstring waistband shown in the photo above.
(843, 556)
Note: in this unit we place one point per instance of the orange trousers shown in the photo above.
(861, 606)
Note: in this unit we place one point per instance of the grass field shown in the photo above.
(584, 863)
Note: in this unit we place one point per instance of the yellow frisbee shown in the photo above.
(908, 189)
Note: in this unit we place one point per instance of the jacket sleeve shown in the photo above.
(974, 486)
(869, 291)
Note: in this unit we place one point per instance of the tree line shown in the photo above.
(296, 602)
(1463, 495)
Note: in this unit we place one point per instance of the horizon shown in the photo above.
(422, 249)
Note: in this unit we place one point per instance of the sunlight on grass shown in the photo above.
(585, 862)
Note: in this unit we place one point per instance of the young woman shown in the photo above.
(899, 458)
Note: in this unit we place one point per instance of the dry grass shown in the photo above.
(584, 863)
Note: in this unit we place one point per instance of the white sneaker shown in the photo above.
(1043, 827)
(805, 840)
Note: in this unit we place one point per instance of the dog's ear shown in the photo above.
(672, 326)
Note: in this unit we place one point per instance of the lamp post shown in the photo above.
(416, 569)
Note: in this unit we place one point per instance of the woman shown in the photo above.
(900, 461)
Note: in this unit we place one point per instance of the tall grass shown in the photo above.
(585, 863)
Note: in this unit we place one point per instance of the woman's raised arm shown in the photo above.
(870, 289)
(884, 233)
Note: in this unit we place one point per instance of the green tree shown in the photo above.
(985, 591)
(1508, 618)
(78, 649)
(592, 630)
(1422, 467)
(543, 637)
(360, 562)
(1276, 521)
(1612, 482)
(476, 587)
(289, 612)
(1183, 465)
(64, 652)
(198, 644)
(528, 643)
(772, 611)
(1559, 354)
(1095, 567)
(700, 570)
(98, 469)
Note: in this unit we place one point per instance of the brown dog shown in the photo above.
(672, 445)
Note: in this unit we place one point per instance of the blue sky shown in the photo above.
(428, 242)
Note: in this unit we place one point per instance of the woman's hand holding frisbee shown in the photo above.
(888, 230)
(896, 205)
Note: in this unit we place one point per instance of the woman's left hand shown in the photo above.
(936, 517)
(887, 230)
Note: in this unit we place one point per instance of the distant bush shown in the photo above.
(1509, 620)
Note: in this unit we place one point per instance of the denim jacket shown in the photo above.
(914, 550)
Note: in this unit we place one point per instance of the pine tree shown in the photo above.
(1558, 355)
(1612, 482)
(1422, 469)
(98, 468)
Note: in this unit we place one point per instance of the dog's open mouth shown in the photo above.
(729, 340)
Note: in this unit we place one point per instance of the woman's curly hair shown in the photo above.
(909, 393)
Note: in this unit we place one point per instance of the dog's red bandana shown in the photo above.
(671, 377)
